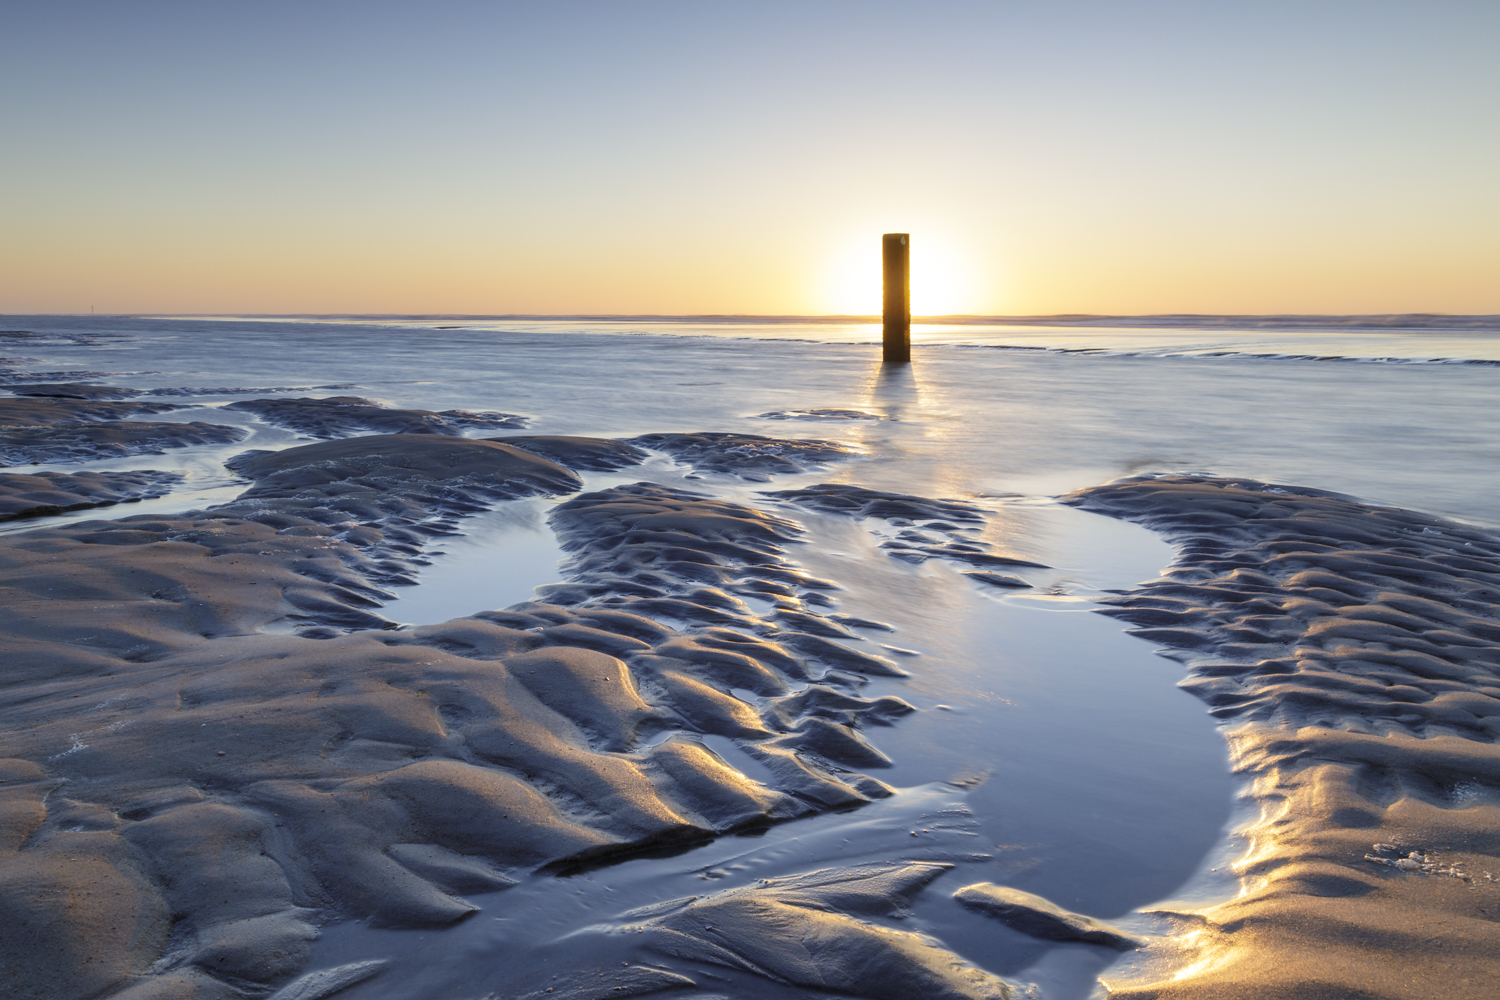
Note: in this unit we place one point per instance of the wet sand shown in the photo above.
(249, 785)
(60, 429)
(227, 761)
(1353, 653)
(49, 493)
(272, 753)
(342, 416)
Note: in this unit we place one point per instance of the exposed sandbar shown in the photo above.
(48, 410)
(216, 742)
(46, 493)
(1040, 918)
(748, 456)
(73, 390)
(582, 453)
(36, 429)
(927, 526)
(343, 416)
(1353, 651)
(67, 443)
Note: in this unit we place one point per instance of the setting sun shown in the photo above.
(942, 282)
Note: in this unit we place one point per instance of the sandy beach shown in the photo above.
(599, 658)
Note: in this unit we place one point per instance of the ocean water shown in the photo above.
(993, 409)
(1087, 775)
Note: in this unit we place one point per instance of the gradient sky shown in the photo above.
(661, 157)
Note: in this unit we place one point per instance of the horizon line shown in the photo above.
(1388, 318)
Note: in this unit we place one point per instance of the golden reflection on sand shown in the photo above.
(1352, 646)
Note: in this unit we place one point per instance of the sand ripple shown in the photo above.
(343, 416)
(747, 456)
(1354, 652)
(189, 788)
(47, 493)
(37, 429)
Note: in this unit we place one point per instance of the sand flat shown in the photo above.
(1353, 652)
(349, 769)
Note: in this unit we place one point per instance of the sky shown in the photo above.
(644, 157)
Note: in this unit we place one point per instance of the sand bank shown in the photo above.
(1353, 653)
(927, 528)
(47, 410)
(36, 429)
(48, 493)
(215, 743)
(581, 453)
(748, 456)
(72, 390)
(342, 416)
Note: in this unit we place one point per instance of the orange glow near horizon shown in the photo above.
(522, 159)
(943, 279)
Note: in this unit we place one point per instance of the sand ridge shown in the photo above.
(1353, 652)
(581, 453)
(89, 442)
(807, 931)
(926, 527)
(746, 456)
(26, 411)
(1041, 918)
(229, 784)
(72, 390)
(36, 429)
(46, 493)
(343, 416)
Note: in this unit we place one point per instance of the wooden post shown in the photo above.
(896, 339)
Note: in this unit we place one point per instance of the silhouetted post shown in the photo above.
(896, 339)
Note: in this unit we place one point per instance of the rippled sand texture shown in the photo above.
(218, 740)
(805, 931)
(216, 743)
(46, 493)
(342, 416)
(1354, 652)
(57, 429)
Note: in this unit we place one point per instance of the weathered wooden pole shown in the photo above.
(896, 339)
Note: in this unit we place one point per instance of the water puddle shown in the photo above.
(501, 556)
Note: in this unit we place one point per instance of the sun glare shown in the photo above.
(942, 282)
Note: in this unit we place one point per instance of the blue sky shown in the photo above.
(744, 158)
